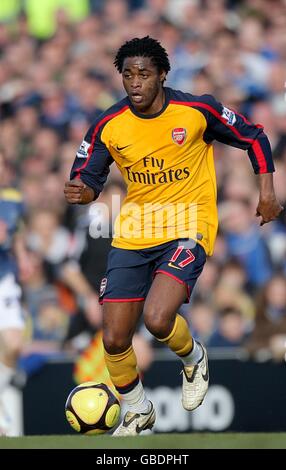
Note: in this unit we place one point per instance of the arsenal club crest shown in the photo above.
(103, 285)
(179, 135)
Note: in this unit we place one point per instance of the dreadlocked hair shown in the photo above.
(143, 47)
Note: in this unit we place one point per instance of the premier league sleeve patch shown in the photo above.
(83, 150)
(229, 116)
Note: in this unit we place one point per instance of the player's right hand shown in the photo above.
(76, 192)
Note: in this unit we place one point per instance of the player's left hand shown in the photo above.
(268, 209)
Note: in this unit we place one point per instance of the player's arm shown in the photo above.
(90, 169)
(268, 207)
(231, 128)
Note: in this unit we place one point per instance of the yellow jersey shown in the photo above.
(166, 161)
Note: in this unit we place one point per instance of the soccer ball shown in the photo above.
(92, 408)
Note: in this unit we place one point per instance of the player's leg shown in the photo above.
(119, 324)
(11, 344)
(11, 339)
(167, 293)
(162, 320)
(122, 293)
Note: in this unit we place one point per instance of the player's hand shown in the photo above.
(76, 192)
(268, 209)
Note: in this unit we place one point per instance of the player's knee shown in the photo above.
(156, 321)
(115, 344)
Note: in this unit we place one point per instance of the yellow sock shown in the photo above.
(122, 369)
(180, 339)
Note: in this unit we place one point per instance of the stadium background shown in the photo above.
(56, 75)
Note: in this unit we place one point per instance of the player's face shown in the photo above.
(143, 84)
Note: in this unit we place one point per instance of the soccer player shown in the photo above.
(13, 255)
(161, 141)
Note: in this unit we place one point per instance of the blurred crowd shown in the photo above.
(57, 75)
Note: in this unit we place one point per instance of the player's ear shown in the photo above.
(162, 76)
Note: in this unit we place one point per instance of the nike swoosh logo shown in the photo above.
(146, 425)
(122, 148)
(175, 267)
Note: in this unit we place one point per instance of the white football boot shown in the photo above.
(195, 382)
(134, 423)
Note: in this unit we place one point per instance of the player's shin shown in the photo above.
(180, 341)
(125, 377)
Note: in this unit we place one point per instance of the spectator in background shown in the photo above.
(9, 10)
(202, 319)
(27, 120)
(43, 16)
(207, 281)
(245, 241)
(231, 331)
(50, 309)
(232, 290)
(55, 113)
(13, 263)
(268, 339)
(60, 250)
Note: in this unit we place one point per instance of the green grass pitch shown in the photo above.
(157, 441)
